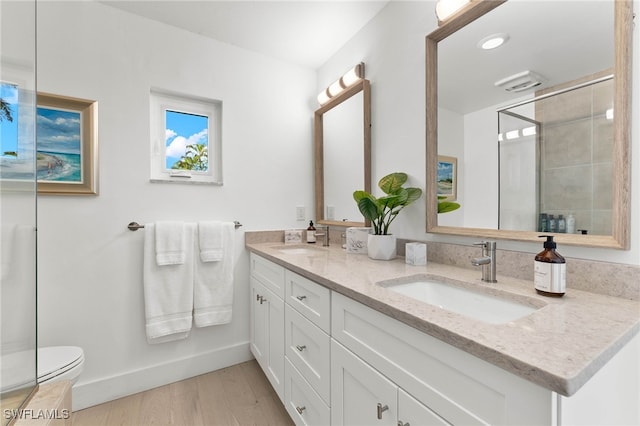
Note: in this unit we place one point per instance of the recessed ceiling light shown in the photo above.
(493, 41)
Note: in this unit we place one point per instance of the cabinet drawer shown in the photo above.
(411, 412)
(459, 387)
(268, 273)
(310, 299)
(308, 348)
(302, 403)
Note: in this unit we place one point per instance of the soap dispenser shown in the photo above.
(311, 233)
(550, 270)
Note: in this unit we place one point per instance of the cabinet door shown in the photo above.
(413, 413)
(267, 334)
(359, 394)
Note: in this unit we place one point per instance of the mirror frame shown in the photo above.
(361, 86)
(620, 238)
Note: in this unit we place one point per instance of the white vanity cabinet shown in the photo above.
(307, 350)
(267, 319)
(335, 361)
(452, 385)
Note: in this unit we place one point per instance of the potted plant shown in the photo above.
(382, 211)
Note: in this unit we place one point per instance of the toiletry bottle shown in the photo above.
(562, 224)
(311, 233)
(542, 227)
(571, 224)
(550, 270)
(552, 224)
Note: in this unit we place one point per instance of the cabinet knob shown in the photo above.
(301, 348)
(301, 298)
(300, 409)
(381, 409)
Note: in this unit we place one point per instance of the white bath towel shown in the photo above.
(170, 243)
(210, 240)
(168, 290)
(213, 288)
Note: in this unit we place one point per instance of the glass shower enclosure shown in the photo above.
(18, 191)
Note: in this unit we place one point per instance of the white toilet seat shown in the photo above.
(60, 363)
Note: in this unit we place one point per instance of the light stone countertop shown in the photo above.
(560, 346)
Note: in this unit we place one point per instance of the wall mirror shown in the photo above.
(342, 154)
(564, 75)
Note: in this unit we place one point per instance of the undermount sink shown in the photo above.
(483, 307)
(300, 249)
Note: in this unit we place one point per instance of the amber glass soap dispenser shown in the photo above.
(550, 270)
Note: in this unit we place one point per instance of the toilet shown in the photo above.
(60, 363)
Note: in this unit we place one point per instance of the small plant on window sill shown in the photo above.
(446, 206)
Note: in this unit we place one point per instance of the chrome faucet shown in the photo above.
(324, 235)
(487, 262)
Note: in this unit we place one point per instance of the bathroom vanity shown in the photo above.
(340, 346)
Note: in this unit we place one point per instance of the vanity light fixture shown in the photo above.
(446, 8)
(351, 77)
(493, 41)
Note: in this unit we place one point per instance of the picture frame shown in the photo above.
(67, 145)
(447, 181)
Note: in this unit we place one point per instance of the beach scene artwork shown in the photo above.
(447, 177)
(59, 142)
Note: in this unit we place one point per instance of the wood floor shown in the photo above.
(238, 395)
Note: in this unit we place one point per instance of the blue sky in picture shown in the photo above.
(183, 129)
(445, 170)
(58, 130)
(9, 130)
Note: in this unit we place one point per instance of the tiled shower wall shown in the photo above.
(576, 156)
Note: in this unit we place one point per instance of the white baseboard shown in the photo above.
(114, 387)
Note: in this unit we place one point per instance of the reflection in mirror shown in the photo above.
(343, 136)
(342, 155)
(556, 171)
(467, 86)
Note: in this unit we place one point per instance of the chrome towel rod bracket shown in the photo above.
(134, 226)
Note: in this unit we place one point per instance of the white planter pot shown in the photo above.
(381, 247)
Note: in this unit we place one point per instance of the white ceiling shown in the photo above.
(302, 32)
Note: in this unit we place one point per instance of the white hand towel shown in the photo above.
(168, 290)
(170, 243)
(210, 240)
(213, 288)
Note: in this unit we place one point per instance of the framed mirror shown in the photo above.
(342, 154)
(582, 47)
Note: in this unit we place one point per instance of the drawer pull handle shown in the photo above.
(403, 424)
(300, 409)
(301, 348)
(381, 409)
(301, 298)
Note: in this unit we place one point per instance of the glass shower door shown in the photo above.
(18, 371)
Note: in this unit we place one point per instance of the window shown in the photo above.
(185, 139)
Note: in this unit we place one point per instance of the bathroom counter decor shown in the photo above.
(560, 346)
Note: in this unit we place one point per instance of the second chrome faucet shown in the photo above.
(487, 262)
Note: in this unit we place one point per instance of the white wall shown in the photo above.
(90, 265)
(393, 47)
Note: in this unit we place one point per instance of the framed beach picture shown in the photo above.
(447, 177)
(67, 145)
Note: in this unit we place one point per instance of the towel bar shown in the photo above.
(134, 226)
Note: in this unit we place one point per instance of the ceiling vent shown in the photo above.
(521, 81)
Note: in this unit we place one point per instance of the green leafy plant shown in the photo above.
(382, 211)
(446, 206)
(195, 158)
